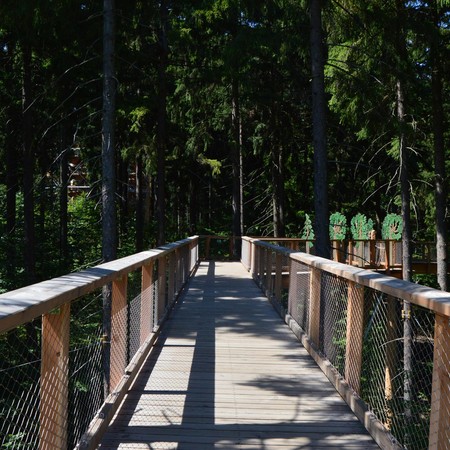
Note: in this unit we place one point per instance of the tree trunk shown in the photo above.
(109, 229)
(11, 205)
(28, 169)
(406, 218)
(439, 153)
(140, 192)
(278, 193)
(63, 204)
(161, 127)
(322, 244)
(236, 163)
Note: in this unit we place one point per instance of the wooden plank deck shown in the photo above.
(227, 373)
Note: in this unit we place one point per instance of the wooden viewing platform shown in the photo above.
(227, 373)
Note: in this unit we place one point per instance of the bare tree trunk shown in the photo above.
(109, 228)
(63, 204)
(236, 162)
(161, 127)
(140, 192)
(11, 205)
(322, 245)
(28, 169)
(406, 218)
(439, 154)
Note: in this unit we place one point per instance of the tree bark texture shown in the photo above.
(322, 244)
(236, 163)
(109, 228)
(439, 154)
(162, 125)
(28, 168)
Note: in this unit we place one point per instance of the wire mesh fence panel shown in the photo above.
(86, 371)
(398, 391)
(299, 293)
(19, 386)
(334, 319)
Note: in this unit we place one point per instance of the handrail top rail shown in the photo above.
(427, 297)
(25, 304)
(294, 239)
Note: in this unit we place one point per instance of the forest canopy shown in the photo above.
(213, 121)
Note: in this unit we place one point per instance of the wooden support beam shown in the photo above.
(171, 282)
(391, 357)
(314, 306)
(355, 330)
(146, 326)
(440, 394)
(162, 280)
(278, 276)
(119, 327)
(54, 383)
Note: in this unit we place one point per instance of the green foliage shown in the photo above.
(308, 230)
(392, 227)
(361, 226)
(338, 226)
(84, 231)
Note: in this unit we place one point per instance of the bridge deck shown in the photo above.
(227, 373)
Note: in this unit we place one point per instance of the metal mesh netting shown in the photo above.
(397, 367)
(52, 381)
(19, 390)
(299, 295)
(333, 319)
(391, 367)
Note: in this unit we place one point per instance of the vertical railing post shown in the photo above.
(440, 393)
(253, 259)
(355, 331)
(119, 331)
(268, 273)
(146, 325)
(314, 307)
(350, 252)
(54, 382)
(171, 282)
(387, 254)
(261, 266)
(278, 276)
(391, 357)
(161, 306)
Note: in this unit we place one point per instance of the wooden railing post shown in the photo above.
(350, 252)
(119, 331)
(172, 283)
(314, 306)
(391, 357)
(161, 287)
(146, 302)
(54, 383)
(440, 394)
(268, 282)
(387, 254)
(278, 276)
(355, 330)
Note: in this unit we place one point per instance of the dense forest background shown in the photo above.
(213, 122)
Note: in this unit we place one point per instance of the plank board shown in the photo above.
(227, 373)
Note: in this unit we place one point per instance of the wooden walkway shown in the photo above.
(227, 373)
